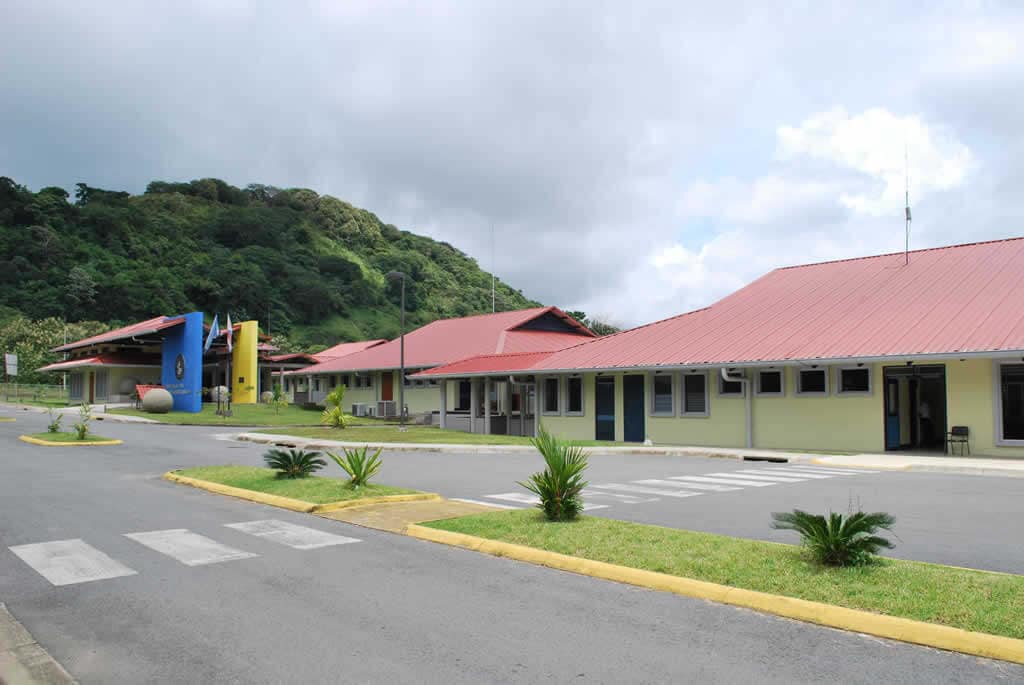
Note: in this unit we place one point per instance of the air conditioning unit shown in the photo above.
(359, 409)
(386, 408)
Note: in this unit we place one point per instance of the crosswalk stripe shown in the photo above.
(486, 504)
(777, 479)
(67, 562)
(802, 474)
(533, 500)
(722, 479)
(619, 497)
(829, 469)
(284, 533)
(647, 491)
(692, 486)
(187, 547)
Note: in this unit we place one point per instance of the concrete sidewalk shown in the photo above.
(395, 517)
(890, 461)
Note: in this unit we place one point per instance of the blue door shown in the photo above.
(892, 414)
(633, 408)
(604, 428)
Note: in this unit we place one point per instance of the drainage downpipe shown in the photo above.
(748, 400)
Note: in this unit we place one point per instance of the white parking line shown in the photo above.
(690, 486)
(486, 504)
(187, 547)
(647, 491)
(781, 474)
(723, 479)
(67, 562)
(297, 537)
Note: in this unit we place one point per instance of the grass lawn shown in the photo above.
(972, 600)
(315, 489)
(66, 436)
(241, 415)
(374, 432)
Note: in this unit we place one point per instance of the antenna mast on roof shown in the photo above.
(492, 268)
(906, 165)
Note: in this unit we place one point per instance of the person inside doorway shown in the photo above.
(924, 414)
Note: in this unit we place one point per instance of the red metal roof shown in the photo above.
(964, 299)
(147, 327)
(488, 363)
(345, 349)
(132, 360)
(449, 340)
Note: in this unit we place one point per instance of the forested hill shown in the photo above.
(311, 265)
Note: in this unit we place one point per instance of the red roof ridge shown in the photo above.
(895, 254)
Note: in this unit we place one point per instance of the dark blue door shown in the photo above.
(604, 428)
(633, 408)
(892, 414)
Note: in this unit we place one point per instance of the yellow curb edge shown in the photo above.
(891, 627)
(49, 443)
(298, 505)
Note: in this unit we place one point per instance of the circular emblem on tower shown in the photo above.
(179, 367)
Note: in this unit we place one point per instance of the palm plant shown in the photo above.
(359, 467)
(293, 463)
(54, 425)
(837, 540)
(278, 400)
(334, 416)
(84, 416)
(560, 486)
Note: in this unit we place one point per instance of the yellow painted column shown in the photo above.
(244, 364)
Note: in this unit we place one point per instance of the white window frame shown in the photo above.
(544, 399)
(997, 403)
(682, 396)
(782, 384)
(813, 393)
(673, 390)
(583, 395)
(855, 393)
(731, 395)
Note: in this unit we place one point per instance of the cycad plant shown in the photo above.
(560, 485)
(837, 540)
(54, 425)
(84, 416)
(359, 467)
(293, 463)
(334, 416)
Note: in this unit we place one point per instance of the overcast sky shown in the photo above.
(634, 160)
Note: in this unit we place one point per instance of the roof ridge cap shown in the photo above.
(897, 253)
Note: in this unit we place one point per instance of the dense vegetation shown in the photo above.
(311, 266)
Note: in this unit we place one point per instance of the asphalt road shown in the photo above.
(386, 608)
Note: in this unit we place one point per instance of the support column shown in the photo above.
(538, 405)
(487, 406)
(474, 402)
(444, 404)
(508, 408)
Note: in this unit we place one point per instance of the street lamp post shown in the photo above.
(399, 276)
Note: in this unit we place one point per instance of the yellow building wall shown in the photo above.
(970, 401)
(244, 361)
(579, 427)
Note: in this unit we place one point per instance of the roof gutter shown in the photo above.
(878, 359)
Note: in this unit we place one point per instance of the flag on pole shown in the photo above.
(214, 333)
(230, 334)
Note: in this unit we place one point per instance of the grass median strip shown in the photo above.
(66, 438)
(241, 415)
(314, 489)
(971, 600)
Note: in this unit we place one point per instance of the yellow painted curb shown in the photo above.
(7, 419)
(289, 503)
(382, 499)
(891, 627)
(50, 443)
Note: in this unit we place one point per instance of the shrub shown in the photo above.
(82, 427)
(293, 463)
(359, 467)
(837, 540)
(334, 416)
(54, 425)
(278, 399)
(560, 485)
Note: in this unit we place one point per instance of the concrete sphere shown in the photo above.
(127, 385)
(266, 397)
(157, 401)
(219, 393)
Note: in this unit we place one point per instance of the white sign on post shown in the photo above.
(11, 363)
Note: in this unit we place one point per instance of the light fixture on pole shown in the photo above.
(399, 276)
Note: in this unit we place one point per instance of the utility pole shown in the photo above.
(395, 276)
